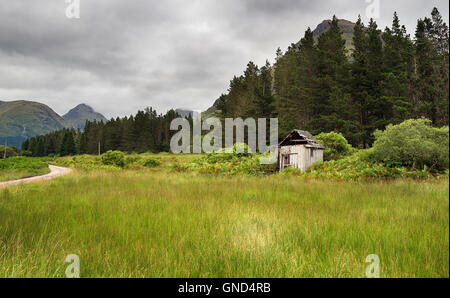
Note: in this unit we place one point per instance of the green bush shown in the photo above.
(336, 146)
(360, 167)
(84, 162)
(243, 147)
(223, 156)
(218, 157)
(113, 158)
(230, 164)
(132, 159)
(22, 163)
(10, 152)
(151, 163)
(414, 144)
(26, 153)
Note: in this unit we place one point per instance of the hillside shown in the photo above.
(210, 112)
(78, 116)
(20, 120)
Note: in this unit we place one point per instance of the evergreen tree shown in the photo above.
(360, 81)
(431, 84)
(398, 66)
(263, 100)
(332, 105)
(439, 35)
(67, 145)
(377, 106)
(287, 89)
(307, 78)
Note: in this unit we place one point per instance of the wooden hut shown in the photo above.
(299, 150)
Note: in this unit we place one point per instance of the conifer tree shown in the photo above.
(67, 145)
(398, 67)
(332, 106)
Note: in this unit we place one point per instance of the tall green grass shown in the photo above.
(156, 224)
(21, 167)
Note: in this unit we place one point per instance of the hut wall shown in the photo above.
(299, 156)
(312, 156)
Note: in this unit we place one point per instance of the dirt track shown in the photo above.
(54, 173)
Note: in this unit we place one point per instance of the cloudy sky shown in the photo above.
(121, 55)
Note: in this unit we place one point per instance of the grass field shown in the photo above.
(19, 174)
(162, 224)
(21, 167)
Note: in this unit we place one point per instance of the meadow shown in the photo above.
(22, 167)
(166, 220)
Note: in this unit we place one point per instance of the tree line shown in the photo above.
(321, 86)
(143, 132)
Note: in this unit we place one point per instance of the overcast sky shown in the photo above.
(122, 55)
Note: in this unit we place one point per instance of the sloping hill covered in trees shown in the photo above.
(320, 85)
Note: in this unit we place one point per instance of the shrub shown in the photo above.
(26, 153)
(113, 158)
(22, 163)
(336, 146)
(223, 156)
(10, 152)
(291, 172)
(84, 162)
(360, 167)
(132, 159)
(151, 163)
(241, 147)
(413, 143)
(218, 157)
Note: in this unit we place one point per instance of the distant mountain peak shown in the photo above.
(347, 28)
(82, 107)
(78, 116)
(184, 112)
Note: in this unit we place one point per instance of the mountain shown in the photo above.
(347, 28)
(210, 112)
(185, 113)
(20, 120)
(78, 116)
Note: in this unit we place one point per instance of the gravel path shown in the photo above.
(54, 172)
